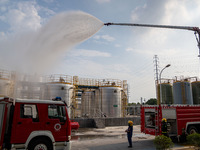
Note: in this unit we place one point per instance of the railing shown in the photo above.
(59, 78)
(97, 82)
(66, 79)
(87, 82)
(5, 75)
(110, 83)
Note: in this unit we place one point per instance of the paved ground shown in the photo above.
(112, 138)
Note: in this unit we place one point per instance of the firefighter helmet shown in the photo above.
(130, 123)
(164, 120)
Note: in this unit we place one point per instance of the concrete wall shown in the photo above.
(121, 121)
(106, 122)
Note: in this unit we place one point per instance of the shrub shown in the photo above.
(163, 142)
(194, 139)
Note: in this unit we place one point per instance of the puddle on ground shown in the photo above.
(82, 137)
(91, 137)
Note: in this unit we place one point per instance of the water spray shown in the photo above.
(196, 30)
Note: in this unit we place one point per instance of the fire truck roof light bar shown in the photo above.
(195, 29)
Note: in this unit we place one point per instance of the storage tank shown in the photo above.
(196, 92)
(65, 91)
(88, 104)
(182, 92)
(6, 83)
(29, 90)
(29, 87)
(166, 89)
(5, 86)
(110, 101)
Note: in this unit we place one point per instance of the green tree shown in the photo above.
(152, 101)
(131, 104)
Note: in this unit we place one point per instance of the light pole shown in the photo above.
(160, 100)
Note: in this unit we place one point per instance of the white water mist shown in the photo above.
(36, 52)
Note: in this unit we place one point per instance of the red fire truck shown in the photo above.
(181, 119)
(34, 124)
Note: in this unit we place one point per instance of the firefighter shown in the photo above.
(130, 133)
(164, 127)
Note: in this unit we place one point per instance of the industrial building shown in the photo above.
(85, 97)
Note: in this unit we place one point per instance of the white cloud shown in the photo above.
(103, 1)
(46, 11)
(90, 53)
(129, 49)
(22, 16)
(165, 13)
(104, 37)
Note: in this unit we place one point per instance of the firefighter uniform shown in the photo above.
(130, 133)
(164, 127)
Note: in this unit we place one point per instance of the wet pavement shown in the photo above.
(112, 138)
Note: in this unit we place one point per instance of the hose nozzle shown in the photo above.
(108, 24)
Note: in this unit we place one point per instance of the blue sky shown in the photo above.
(116, 52)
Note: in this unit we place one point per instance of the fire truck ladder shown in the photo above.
(158, 118)
(195, 29)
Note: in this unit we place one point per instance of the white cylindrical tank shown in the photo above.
(29, 86)
(110, 101)
(182, 92)
(29, 90)
(65, 91)
(4, 87)
(88, 104)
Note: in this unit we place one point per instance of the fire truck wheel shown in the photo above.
(40, 144)
(192, 129)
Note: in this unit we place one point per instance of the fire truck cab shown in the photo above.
(181, 119)
(34, 124)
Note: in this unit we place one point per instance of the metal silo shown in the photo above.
(182, 92)
(59, 90)
(29, 87)
(4, 87)
(166, 89)
(65, 91)
(5, 83)
(88, 104)
(196, 92)
(110, 101)
(59, 86)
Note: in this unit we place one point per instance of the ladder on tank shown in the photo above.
(158, 118)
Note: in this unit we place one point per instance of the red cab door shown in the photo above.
(25, 121)
(57, 122)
